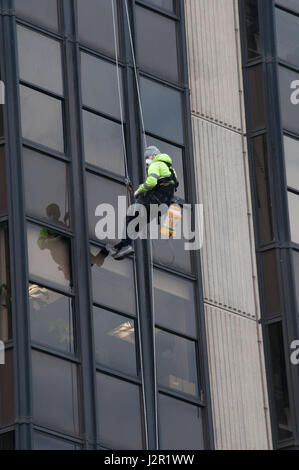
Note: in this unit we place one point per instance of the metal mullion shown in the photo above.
(182, 397)
(177, 333)
(38, 29)
(45, 150)
(105, 174)
(52, 286)
(100, 368)
(161, 11)
(164, 139)
(291, 134)
(3, 219)
(161, 81)
(99, 113)
(50, 432)
(55, 228)
(71, 358)
(101, 55)
(44, 91)
(171, 270)
(286, 9)
(288, 65)
(293, 190)
(127, 315)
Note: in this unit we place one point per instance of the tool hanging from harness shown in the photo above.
(167, 180)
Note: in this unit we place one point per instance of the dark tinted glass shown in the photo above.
(51, 319)
(102, 191)
(1, 111)
(46, 188)
(7, 390)
(113, 282)
(157, 51)
(162, 109)
(289, 99)
(296, 271)
(39, 60)
(252, 29)
(49, 256)
(174, 303)
(291, 152)
(176, 155)
(47, 442)
(7, 441)
(176, 363)
(43, 12)
(95, 23)
(180, 425)
(172, 254)
(260, 155)
(5, 294)
(42, 119)
(287, 27)
(271, 277)
(293, 213)
(99, 85)
(55, 393)
(257, 96)
(103, 143)
(166, 4)
(3, 193)
(279, 378)
(291, 4)
(119, 417)
(115, 341)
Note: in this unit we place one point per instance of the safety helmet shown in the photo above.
(152, 150)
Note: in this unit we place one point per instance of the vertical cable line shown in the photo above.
(116, 44)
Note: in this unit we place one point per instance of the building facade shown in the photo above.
(168, 349)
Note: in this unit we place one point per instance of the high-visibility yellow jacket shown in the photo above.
(156, 171)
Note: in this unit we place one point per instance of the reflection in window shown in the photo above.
(7, 390)
(115, 341)
(5, 295)
(176, 154)
(180, 425)
(257, 96)
(99, 85)
(46, 188)
(103, 143)
(174, 303)
(291, 150)
(252, 29)
(287, 27)
(49, 256)
(271, 277)
(289, 105)
(293, 213)
(39, 60)
(157, 52)
(113, 282)
(3, 193)
(51, 319)
(172, 254)
(163, 113)
(95, 24)
(260, 155)
(47, 442)
(119, 417)
(176, 363)
(55, 393)
(279, 379)
(43, 12)
(42, 119)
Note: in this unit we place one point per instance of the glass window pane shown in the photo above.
(172, 254)
(119, 417)
(290, 4)
(103, 144)
(7, 441)
(102, 191)
(46, 188)
(115, 341)
(176, 363)
(39, 60)
(174, 303)
(7, 410)
(176, 154)
(291, 150)
(47, 442)
(43, 12)
(1, 117)
(51, 319)
(287, 27)
(113, 282)
(5, 294)
(55, 393)
(288, 85)
(296, 275)
(271, 280)
(180, 425)
(3, 189)
(280, 385)
(157, 51)
(163, 113)
(99, 85)
(252, 29)
(49, 256)
(95, 24)
(293, 213)
(257, 96)
(42, 118)
(166, 4)
(260, 155)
